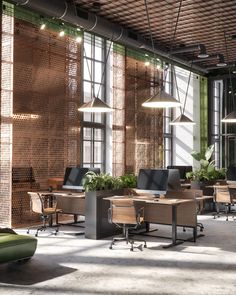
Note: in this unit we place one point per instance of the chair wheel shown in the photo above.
(36, 235)
(132, 249)
(145, 246)
(201, 229)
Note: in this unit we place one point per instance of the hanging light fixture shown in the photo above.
(161, 99)
(96, 105)
(183, 119)
(231, 117)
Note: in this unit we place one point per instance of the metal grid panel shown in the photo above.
(46, 126)
(144, 127)
(118, 128)
(6, 30)
(200, 21)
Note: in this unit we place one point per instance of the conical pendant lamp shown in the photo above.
(161, 100)
(230, 118)
(95, 105)
(182, 120)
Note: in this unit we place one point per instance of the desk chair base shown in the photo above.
(44, 227)
(227, 211)
(126, 237)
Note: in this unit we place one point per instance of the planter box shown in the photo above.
(96, 214)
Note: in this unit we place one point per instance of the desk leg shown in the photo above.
(174, 229)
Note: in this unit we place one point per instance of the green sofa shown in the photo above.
(14, 247)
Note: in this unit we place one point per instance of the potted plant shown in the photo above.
(97, 188)
(207, 174)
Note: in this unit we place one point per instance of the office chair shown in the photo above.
(126, 215)
(37, 205)
(226, 196)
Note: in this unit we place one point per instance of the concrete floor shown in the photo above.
(69, 264)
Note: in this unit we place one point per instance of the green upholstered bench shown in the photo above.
(14, 247)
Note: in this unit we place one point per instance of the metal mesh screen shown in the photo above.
(144, 127)
(46, 128)
(6, 35)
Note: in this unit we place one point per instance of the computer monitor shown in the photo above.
(182, 170)
(174, 183)
(231, 173)
(153, 181)
(74, 177)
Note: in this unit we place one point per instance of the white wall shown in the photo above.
(186, 138)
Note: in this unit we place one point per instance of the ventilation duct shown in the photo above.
(70, 13)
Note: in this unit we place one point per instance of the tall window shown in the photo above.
(94, 81)
(216, 120)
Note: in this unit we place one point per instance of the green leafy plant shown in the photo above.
(207, 170)
(95, 182)
(129, 180)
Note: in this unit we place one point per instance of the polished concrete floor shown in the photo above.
(71, 264)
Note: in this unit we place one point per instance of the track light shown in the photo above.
(202, 53)
(192, 48)
(221, 62)
(62, 31)
(42, 26)
(78, 39)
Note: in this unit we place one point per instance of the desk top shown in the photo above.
(152, 200)
(60, 194)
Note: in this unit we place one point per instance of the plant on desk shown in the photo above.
(97, 182)
(207, 173)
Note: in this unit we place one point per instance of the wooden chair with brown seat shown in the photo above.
(38, 205)
(224, 195)
(128, 215)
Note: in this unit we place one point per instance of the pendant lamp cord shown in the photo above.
(230, 78)
(106, 59)
(186, 93)
(173, 39)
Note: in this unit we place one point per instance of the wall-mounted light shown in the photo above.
(62, 31)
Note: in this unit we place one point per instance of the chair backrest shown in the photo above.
(36, 202)
(222, 194)
(124, 211)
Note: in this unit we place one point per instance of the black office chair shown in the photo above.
(126, 215)
(37, 205)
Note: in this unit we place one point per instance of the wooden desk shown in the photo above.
(151, 213)
(70, 203)
(55, 182)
